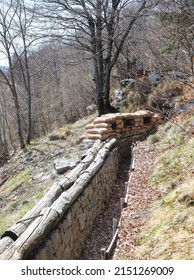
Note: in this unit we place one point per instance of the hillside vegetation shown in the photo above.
(169, 233)
(29, 174)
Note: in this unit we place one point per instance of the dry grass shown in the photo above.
(169, 233)
(22, 190)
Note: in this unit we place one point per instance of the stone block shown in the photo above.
(67, 255)
(63, 165)
(56, 240)
(41, 254)
(86, 144)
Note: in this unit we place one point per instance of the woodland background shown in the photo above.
(48, 75)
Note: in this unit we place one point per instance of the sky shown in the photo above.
(3, 60)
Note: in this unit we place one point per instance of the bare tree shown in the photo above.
(6, 20)
(168, 38)
(62, 90)
(17, 38)
(101, 28)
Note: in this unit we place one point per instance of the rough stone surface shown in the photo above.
(75, 227)
(86, 144)
(63, 165)
(54, 137)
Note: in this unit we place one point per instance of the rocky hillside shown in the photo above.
(29, 174)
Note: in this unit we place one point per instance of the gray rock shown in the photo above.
(38, 176)
(62, 152)
(54, 137)
(86, 144)
(46, 177)
(63, 165)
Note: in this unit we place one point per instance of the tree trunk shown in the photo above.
(18, 122)
(17, 107)
(12, 87)
(29, 121)
(108, 108)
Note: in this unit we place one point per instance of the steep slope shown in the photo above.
(169, 233)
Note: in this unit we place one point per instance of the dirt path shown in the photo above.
(140, 199)
(102, 232)
(134, 216)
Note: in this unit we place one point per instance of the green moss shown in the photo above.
(152, 139)
(21, 178)
(40, 194)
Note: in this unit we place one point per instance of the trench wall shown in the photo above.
(60, 224)
(66, 240)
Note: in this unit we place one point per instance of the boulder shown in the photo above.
(63, 165)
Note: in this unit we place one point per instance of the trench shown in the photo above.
(102, 233)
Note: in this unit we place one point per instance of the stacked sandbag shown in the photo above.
(104, 127)
(116, 124)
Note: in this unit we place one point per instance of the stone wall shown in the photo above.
(59, 229)
(67, 239)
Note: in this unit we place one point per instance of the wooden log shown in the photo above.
(133, 155)
(112, 244)
(132, 166)
(114, 226)
(72, 176)
(53, 194)
(67, 198)
(20, 226)
(5, 243)
(99, 160)
(32, 237)
(103, 253)
(61, 202)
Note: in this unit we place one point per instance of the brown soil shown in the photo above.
(133, 216)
